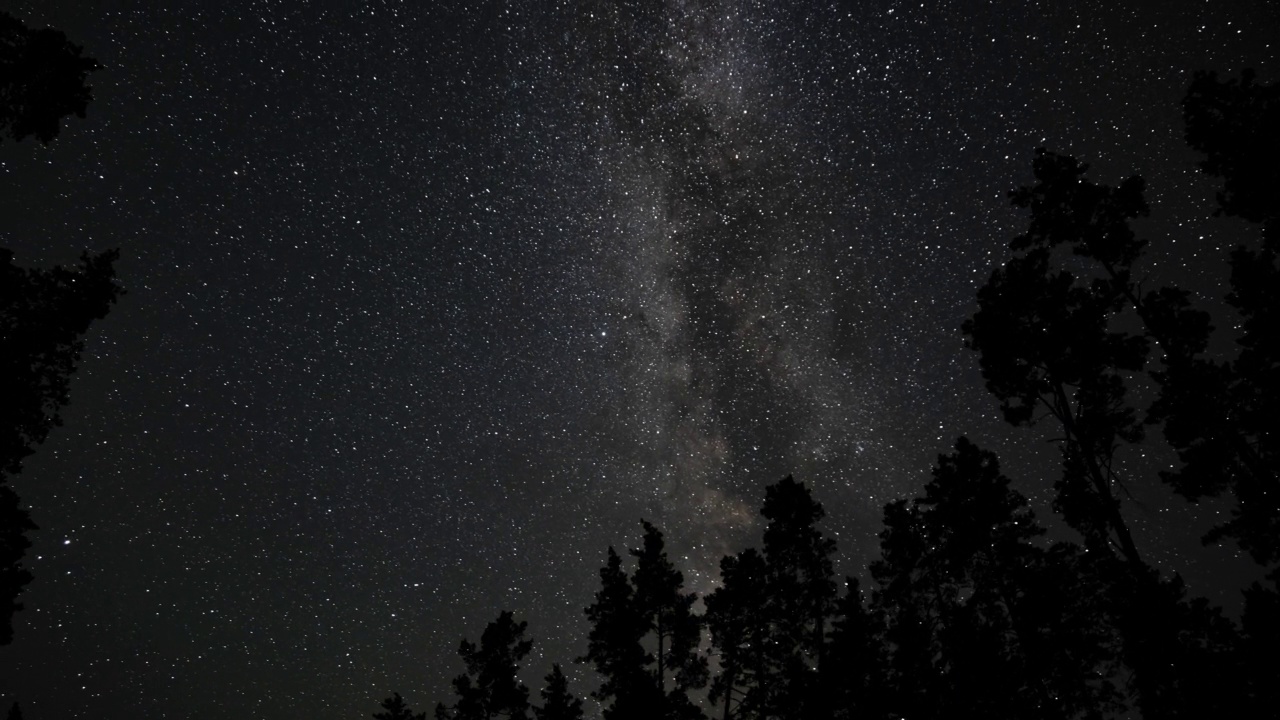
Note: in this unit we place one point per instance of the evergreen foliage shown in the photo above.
(491, 686)
(557, 702)
(644, 637)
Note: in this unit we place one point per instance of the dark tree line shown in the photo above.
(971, 612)
(44, 314)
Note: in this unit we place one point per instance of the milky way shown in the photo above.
(431, 303)
(720, 269)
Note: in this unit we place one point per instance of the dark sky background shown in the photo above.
(418, 324)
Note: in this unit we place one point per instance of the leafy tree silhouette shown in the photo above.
(1221, 418)
(632, 615)
(557, 702)
(42, 79)
(1046, 338)
(491, 687)
(394, 708)
(1049, 333)
(43, 313)
(15, 522)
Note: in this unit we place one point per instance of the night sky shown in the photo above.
(429, 303)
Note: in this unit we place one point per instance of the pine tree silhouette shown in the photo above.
(975, 624)
(651, 610)
(491, 687)
(666, 615)
(739, 631)
(613, 644)
(852, 680)
(557, 702)
(801, 594)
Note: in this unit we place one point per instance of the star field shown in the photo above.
(430, 303)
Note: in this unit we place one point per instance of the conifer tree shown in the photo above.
(769, 619)
(975, 626)
(491, 687)
(851, 680)
(1065, 337)
(666, 615)
(613, 644)
(738, 626)
(557, 702)
(801, 592)
(644, 637)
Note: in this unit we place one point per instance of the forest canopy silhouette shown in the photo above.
(972, 612)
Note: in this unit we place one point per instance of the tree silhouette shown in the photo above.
(852, 681)
(1046, 338)
(42, 79)
(666, 615)
(557, 702)
(491, 687)
(801, 591)
(1221, 420)
(43, 313)
(15, 712)
(1220, 416)
(613, 644)
(1260, 628)
(644, 637)
(394, 708)
(974, 623)
(15, 522)
(1064, 333)
(738, 626)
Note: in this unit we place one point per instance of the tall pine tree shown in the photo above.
(739, 630)
(491, 687)
(557, 702)
(801, 592)
(644, 637)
